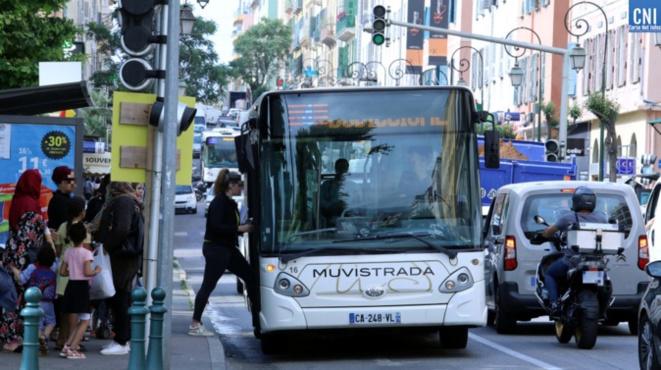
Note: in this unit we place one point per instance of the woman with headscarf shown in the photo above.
(121, 224)
(27, 233)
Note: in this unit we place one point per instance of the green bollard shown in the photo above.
(155, 352)
(138, 311)
(31, 316)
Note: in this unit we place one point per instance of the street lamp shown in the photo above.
(465, 65)
(516, 74)
(578, 62)
(577, 57)
(186, 19)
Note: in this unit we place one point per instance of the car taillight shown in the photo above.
(643, 252)
(510, 253)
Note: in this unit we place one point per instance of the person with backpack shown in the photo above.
(121, 231)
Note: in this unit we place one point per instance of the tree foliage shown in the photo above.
(575, 113)
(606, 111)
(29, 34)
(204, 77)
(97, 117)
(198, 61)
(261, 51)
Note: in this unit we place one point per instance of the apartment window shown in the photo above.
(595, 151)
(452, 11)
(622, 55)
(610, 67)
(633, 146)
(636, 56)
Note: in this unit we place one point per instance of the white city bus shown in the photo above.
(218, 152)
(395, 242)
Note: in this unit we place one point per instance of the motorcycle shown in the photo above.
(200, 190)
(586, 293)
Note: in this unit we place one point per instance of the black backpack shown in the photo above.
(133, 245)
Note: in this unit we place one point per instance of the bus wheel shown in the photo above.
(454, 337)
(270, 344)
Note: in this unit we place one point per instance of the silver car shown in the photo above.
(511, 259)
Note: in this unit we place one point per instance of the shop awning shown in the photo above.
(44, 99)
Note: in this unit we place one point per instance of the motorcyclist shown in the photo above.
(583, 204)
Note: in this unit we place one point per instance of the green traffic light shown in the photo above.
(378, 39)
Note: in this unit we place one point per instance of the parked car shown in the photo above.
(653, 223)
(511, 259)
(649, 321)
(184, 199)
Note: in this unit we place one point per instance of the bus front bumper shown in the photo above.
(280, 313)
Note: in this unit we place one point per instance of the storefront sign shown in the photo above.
(576, 147)
(97, 163)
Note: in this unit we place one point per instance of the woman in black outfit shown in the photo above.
(221, 240)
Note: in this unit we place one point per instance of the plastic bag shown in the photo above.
(102, 286)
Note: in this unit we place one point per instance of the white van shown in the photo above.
(511, 260)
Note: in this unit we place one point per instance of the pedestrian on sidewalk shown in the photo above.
(27, 231)
(121, 231)
(77, 265)
(65, 180)
(76, 213)
(41, 275)
(220, 251)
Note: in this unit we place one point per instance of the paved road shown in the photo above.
(532, 347)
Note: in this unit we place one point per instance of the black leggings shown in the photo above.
(217, 259)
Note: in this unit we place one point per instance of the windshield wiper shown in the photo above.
(449, 252)
(284, 258)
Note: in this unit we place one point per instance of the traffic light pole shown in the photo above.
(169, 169)
(526, 45)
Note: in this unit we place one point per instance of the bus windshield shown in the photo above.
(219, 152)
(348, 169)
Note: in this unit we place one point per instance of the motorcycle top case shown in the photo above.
(586, 238)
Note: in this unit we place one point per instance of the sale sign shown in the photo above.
(41, 143)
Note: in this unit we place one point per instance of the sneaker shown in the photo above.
(107, 345)
(199, 331)
(116, 349)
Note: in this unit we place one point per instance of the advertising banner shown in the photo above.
(41, 143)
(96, 163)
(438, 43)
(415, 37)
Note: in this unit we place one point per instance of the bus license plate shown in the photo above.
(593, 277)
(375, 318)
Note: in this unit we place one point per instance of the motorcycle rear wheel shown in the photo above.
(563, 332)
(588, 324)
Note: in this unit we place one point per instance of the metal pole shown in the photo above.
(563, 106)
(170, 126)
(497, 40)
(539, 101)
(602, 158)
(151, 257)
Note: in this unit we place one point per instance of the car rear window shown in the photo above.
(552, 206)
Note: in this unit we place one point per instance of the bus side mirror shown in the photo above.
(244, 153)
(491, 149)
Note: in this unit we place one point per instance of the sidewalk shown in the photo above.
(199, 353)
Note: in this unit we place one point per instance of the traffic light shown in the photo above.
(137, 26)
(185, 115)
(138, 39)
(552, 150)
(379, 25)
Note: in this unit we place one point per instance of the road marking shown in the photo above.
(515, 354)
(181, 233)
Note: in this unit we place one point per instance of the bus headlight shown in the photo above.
(290, 286)
(457, 281)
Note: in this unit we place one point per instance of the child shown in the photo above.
(42, 275)
(77, 265)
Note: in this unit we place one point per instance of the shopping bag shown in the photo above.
(102, 286)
